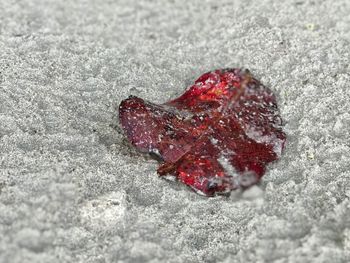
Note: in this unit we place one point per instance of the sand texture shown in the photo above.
(73, 190)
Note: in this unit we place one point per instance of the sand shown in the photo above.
(73, 190)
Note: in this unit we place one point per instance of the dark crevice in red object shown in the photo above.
(218, 136)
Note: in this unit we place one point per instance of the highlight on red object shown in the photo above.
(217, 136)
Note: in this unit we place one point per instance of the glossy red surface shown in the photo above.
(218, 136)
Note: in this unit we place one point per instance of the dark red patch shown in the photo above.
(218, 136)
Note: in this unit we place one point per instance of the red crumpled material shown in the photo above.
(218, 136)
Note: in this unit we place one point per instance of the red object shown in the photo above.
(218, 136)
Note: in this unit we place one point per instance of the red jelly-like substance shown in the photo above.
(218, 136)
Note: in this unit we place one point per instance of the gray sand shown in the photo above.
(73, 190)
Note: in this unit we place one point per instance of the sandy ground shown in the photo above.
(73, 190)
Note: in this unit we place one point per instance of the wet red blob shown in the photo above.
(218, 136)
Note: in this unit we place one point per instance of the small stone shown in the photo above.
(106, 212)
